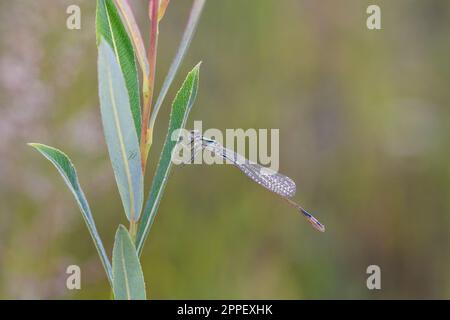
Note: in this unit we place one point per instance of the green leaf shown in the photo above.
(180, 110)
(121, 138)
(127, 273)
(110, 27)
(194, 17)
(135, 33)
(65, 167)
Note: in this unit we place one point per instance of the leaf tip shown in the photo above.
(195, 72)
(35, 145)
(121, 230)
(198, 65)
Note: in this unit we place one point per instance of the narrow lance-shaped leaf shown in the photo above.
(180, 110)
(65, 167)
(127, 273)
(121, 138)
(194, 17)
(111, 28)
(135, 33)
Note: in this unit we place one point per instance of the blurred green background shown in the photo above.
(363, 118)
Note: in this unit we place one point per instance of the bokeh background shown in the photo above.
(364, 127)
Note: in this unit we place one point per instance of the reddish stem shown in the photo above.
(148, 96)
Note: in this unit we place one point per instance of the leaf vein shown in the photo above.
(122, 145)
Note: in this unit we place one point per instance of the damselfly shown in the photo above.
(273, 181)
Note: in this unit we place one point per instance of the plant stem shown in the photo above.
(133, 228)
(146, 138)
(188, 34)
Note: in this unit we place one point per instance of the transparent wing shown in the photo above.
(269, 179)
